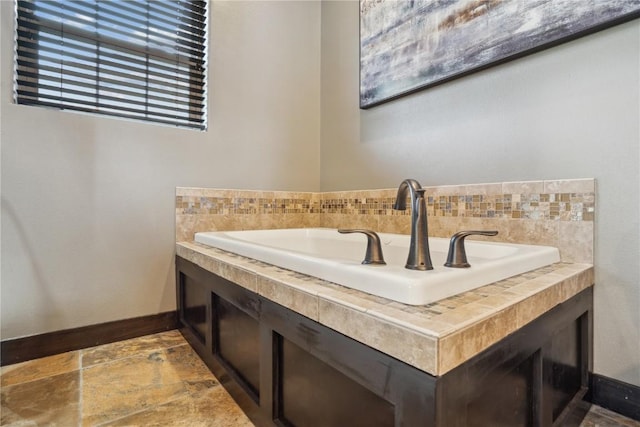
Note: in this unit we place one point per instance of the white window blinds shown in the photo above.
(137, 59)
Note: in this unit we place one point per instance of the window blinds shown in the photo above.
(136, 59)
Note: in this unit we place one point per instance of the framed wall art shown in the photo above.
(409, 45)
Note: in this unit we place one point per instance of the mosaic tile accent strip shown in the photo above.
(206, 209)
(559, 200)
(558, 213)
(360, 206)
(211, 205)
(553, 205)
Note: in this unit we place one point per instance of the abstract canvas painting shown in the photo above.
(407, 45)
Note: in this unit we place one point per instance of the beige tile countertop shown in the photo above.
(435, 337)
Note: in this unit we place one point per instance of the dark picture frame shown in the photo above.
(411, 45)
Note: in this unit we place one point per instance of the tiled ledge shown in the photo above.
(436, 337)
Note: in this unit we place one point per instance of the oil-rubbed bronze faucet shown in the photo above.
(419, 257)
(457, 256)
(373, 255)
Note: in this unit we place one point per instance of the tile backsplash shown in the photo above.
(557, 213)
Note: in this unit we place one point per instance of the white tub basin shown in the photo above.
(329, 255)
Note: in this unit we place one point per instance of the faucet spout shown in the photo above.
(419, 257)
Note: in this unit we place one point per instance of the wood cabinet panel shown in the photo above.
(513, 390)
(284, 369)
(193, 308)
(237, 342)
(314, 394)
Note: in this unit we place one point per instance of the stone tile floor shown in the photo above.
(156, 380)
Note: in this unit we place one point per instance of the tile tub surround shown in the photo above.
(434, 338)
(205, 209)
(557, 213)
(437, 337)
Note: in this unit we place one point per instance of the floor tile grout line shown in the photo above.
(184, 394)
(80, 393)
(137, 354)
(5, 387)
(86, 349)
(612, 416)
(80, 366)
(151, 408)
(77, 368)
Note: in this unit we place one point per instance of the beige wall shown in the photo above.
(88, 203)
(572, 111)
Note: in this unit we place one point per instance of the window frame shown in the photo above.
(189, 70)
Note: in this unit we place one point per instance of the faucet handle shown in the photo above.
(374, 249)
(457, 257)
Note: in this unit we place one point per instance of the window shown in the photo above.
(137, 59)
